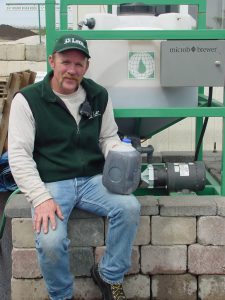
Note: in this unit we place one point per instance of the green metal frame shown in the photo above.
(201, 33)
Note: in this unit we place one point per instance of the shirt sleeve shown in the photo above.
(20, 149)
(108, 135)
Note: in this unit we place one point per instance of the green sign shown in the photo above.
(141, 65)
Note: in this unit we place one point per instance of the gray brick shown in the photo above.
(98, 253)
(3, 52)
(86, 232)
(25, 263)
(137, 287)
(135, 261)
(149, 205)
(81, 214)
(144, 233)
(220, 202)
(86, 289)
(23, 289)
(208, 233)
(173, 230)
(206, 259)
(28, 289)
(187, 206)
(135, 258)
(211, 287)
(22, 233)
(81, 260)
(174, 287)
(16, 52)
(18, 207)
(7, 67)
(35, 52)
(163, 259)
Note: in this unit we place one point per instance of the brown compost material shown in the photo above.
(8, 32)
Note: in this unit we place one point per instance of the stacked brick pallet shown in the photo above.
(179, 251)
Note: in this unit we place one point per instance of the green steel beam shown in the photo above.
(50, 25)
(223, 153)
(200, 3)
(109, 10)
(63, 15)
(182, 112)
(202, 34)
(201, 18)
(203, 100)
(209, 190)
(213, 182)
(201, 24)
(198, 130)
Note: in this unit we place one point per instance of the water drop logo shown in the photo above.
(141, 65)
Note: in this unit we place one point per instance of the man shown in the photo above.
(60, 129)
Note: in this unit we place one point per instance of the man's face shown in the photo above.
(69, 68)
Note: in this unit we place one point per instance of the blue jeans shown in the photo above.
(87, 193)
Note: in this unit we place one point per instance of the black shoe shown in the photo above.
(109, 291)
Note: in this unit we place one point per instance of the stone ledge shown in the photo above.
(149, 205)
(18, 207)
(170, 206)
(189, 205)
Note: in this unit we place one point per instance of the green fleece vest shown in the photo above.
(62, 150)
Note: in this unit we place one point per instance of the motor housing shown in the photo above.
(176, 176)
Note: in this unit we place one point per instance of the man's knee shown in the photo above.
(130, 209)
(134, 208)
(53, 241)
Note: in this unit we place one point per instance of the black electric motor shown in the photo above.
(176, 176)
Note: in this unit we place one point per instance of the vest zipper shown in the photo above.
(78, 129)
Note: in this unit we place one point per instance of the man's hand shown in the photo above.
(43, 213)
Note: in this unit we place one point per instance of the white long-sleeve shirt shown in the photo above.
(21, 142)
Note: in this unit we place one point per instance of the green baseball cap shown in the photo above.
(71, 41)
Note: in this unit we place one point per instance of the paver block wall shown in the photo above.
(179, 251)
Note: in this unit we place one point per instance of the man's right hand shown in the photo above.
(45, 212)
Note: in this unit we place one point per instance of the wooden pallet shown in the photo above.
(15, 82)
(3, 92)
